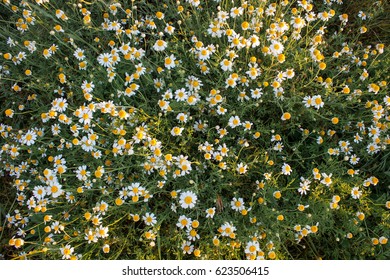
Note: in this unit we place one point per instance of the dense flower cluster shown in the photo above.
(234, 129)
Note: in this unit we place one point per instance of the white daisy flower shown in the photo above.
(327, 179)
(237, 204)
(169, 62)
(286, 169)
(79, 54)
(66, 252)
(29, 138)
(234, 121)
(160, 45)
(276, 48)
(356, 193)
(150, 219)
(184, 221)
(176, 131)
(188, 199)
(241, 168)
(105, 59)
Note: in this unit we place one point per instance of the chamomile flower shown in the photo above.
(286, 169)
(187, 247)
(66, 252)
(79, 54)
(373, 88)
(237, 204)
(159, 84)
(356, 193)
(354, 159)
(228, 229)
(253, 71)
(326, 179)
(101, 207)
(372, 148)
(278, 147)
(362, 15)
(169, 29)
(160, 45)
(254, 41)
(234, 121)
(247, 125)
(177, 131)
(231, 82)
(221, 110)
(256, 93)
(188, 199)
(192, 234)
(308, 101)
(242, 168)
(87, 86)
(193, 83)
(236, 12)
(182, 117)
(298, 22)
(181, 94)
(252, 247)
(54, 189)
(184, 222)
(304, 186)
(210, 212)
(90, 236)
(149, 219)
(29, 138)
(276, 48)
(357, 138)
(57, 227)
(286, 116)
(169, 62)
(105, 59)
(106, 248)
(9, 113)
(81, 173)
(39, 192)
(222, 16)
(203, 53)
(226, 65)
(317, 102)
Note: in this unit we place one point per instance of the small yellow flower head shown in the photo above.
(7, 56)
(106, 248)
(277, 194)
(118, 201)
(271, 255)
(197, 253)
(9, 113)
(159, 15)
(281, 58)
(383, 240)
(136, 217)
(286, 116)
